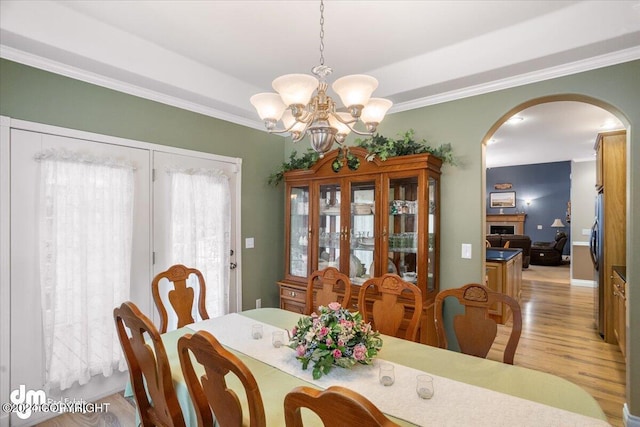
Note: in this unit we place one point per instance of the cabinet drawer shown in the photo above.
(293, 294)
(293, 306)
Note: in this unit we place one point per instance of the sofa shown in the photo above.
(548, 253)
(519, 241)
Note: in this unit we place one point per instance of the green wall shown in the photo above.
(30, 94)
(465, 124)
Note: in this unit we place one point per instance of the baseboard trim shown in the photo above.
(628, 419)
(583, 283)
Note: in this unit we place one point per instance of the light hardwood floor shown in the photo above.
(558, 337)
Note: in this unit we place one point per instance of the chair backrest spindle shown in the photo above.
(326, 286)
(149, 370)
(210, 395)
(336, 406)
(388, 311)
(181, 297)
(475, 330)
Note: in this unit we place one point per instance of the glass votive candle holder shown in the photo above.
(424, 386)
(256, 332)
(277, 339)
(387, 375)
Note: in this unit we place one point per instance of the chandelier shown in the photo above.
(304, 112)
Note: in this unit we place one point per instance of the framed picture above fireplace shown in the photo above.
(504, 199)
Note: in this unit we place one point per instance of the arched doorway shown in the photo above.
(572, 354)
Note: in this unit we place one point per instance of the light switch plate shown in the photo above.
(539, 227)
(249, 243)
(466, 250)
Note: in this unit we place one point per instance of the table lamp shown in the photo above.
(557, 223)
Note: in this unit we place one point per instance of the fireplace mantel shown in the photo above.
(516, 220)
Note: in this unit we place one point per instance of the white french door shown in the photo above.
(21, 332)
(163, 163)
(26, 335)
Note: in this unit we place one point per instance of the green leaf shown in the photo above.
(383, 147)
(316, 373)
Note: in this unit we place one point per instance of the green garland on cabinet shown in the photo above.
(377, 145)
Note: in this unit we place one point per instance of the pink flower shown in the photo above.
(335, 306)
(300, 350)
(323, 331)
(294, 331)
(329, 340)
(341, 343)
(359, 352)
(337, 354)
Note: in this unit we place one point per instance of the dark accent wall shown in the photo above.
(546, 185)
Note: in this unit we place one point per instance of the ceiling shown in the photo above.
(211, 56)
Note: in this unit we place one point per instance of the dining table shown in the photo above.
(468, 390)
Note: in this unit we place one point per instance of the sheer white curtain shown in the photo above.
(201, 229)
(86, 217)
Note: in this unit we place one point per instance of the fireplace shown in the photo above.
(502, 229)
(505, 223)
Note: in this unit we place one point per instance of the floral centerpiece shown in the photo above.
(334, 337)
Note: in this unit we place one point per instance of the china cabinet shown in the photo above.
(379, 217)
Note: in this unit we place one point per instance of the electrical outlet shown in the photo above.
(259, 303)
(249, 243)
(539, 227)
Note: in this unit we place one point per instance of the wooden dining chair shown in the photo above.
(181, 297)
(325, 286)
(149, 370)
(210, 395)
(475, 329)
(336, 406)
(388, 309)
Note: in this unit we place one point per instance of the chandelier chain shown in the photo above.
(321, 32)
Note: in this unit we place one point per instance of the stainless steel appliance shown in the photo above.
(596, 247)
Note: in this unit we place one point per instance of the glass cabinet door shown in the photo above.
(362, 231)
(402, 240)
(330, 228)
(432, 226)
(299, 231)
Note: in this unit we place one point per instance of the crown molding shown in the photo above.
(45, 64)
(619, 57)
(120, 86)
